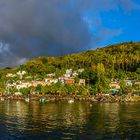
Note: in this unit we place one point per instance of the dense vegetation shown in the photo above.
(119, 61)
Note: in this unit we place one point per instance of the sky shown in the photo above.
(33, 28)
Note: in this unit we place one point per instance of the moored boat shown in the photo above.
(71, 101)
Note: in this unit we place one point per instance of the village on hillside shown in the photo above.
(21, 80)
(67, 78)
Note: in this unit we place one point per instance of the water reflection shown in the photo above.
(61, 120)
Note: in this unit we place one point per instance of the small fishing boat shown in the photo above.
(43, 100)
(2, 99)
(71, 101)
(27, 99)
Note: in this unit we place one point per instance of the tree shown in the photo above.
(25, 91)
(102, 82)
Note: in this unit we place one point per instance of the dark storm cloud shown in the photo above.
(29, 28)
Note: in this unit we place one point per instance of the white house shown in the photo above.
(51, 80)
(61, 79)
(74, 74)
(82, 82)
(18, 93)
(128, 83)
(81, 70)
(11, 75)
(23, 85)
(21, 73)
(51, 74)
(68, 73)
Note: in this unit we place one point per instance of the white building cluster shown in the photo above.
(67, 78)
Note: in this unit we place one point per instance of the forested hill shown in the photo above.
(116, 62)
(124, 57)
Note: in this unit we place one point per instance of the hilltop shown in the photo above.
(127, 51)
(123, 57)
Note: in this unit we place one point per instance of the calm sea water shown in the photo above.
(61, 120)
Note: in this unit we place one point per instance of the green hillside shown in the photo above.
(119, 61)
(124, 57)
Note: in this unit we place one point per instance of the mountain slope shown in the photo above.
(119, 57)
(118, 62)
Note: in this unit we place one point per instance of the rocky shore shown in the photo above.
(90, 98)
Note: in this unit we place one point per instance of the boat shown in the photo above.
(43, 100)
(27, 99)
(2, 99)
(71, 101)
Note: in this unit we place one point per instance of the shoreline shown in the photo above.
(90, 98)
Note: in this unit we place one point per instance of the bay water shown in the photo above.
(20, 120)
